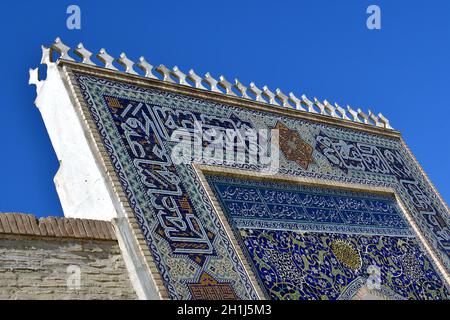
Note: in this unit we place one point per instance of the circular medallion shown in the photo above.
(346, 254)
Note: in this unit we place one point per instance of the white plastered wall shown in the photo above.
(80, 185)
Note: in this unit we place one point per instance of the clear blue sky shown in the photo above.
(320, 48)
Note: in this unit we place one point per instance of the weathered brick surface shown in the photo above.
(27, 224)
(45, 267)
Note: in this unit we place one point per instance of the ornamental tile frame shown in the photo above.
(75, 75)
(203, 170)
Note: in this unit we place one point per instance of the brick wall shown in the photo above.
(43, 259)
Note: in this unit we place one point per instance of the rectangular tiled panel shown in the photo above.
(321, 243)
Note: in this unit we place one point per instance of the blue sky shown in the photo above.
(320, 48)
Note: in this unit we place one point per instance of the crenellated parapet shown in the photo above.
(60, 51)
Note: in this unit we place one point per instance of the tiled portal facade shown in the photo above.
(319, 243)
(300, 241)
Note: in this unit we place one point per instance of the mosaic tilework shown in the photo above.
(210, 289)
(185, 244)
(288, 206)
(349, 155)
(182, 230)
(294, 147)
(294, 263)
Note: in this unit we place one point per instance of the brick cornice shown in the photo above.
(55, 227)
